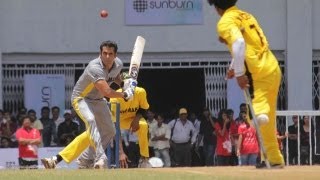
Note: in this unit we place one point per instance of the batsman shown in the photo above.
(255, 67)
(131, 118)
(91, 106)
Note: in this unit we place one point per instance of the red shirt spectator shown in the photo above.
(29, 139)
(249, 143)
(223, 141)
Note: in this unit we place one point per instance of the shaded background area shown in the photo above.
(170, 89)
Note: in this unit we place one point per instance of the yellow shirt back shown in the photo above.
(128, 109)
(236, 24)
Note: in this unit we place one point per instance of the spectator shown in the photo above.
(234, 136)
(1, 116)
(209, 136)
(183, 137)
(49, 127)
(21, 113)
(28, 138)
(293, 141)
(151, 123)
(248, 146)
(305, 140)
(2, 120)
(280, 138)
(5, 142)
(35, 123)
(67, 130)
(161, 136)
(8, 126)
(197, 157)
(242, 108)
(55, 112)
(224, 146)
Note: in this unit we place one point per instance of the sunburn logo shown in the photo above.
(142, 5)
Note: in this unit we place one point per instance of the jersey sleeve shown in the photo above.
(143, 99)
(228, 30)
(95, 73)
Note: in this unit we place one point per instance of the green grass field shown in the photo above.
(294, 173)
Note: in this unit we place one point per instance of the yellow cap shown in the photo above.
(183, 111)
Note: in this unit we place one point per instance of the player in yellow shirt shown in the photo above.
(131, 117)
(255, 67)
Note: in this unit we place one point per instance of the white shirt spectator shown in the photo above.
(182, 133)
(159, 131)
(151, 125)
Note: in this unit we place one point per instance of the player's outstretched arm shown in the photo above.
(106, 90)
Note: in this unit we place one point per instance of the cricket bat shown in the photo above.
(136, 57)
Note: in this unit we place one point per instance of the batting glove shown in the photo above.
(128, 94)
(130, 83)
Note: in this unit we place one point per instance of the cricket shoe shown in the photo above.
(49, 163)
(144, 163)
(263, 165)
(100, 164)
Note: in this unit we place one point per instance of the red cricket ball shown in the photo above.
(104, 13)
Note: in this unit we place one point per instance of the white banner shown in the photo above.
(44, 90)
(164, 12)
(9, 158)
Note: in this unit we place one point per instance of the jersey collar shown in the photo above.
(231, 9)
(115, 64)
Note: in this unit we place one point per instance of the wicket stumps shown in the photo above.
(113, 152)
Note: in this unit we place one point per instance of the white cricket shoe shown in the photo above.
(49, 163)
(100, 164)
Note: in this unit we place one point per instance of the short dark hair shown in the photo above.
(242, 105)
(159, 115)
(55, 107)
(230, 111)
(24, 118)
(23, 109)
(222, 4)
(31, 111)
(109, 44)
(45, 108)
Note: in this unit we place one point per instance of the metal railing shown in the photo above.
(312, 120)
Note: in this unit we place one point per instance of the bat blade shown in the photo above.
(136, 57)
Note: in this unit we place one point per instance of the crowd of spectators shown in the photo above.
(187, 139)
(55, 130)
